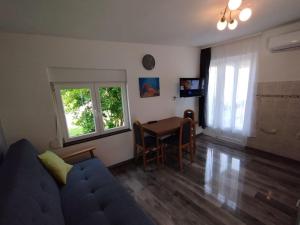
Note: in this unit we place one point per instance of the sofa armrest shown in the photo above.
(80, 152)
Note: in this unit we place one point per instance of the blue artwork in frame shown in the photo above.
(149, 87)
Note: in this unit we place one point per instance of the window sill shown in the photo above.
(70, 143)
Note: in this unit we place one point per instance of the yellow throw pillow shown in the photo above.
(56, 166)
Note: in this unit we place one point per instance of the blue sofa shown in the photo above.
(30, 196)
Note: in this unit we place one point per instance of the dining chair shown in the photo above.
(191, 114)
(147, 145)
(182, 140)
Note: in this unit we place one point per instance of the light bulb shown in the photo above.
(221, 25)
(232, 24)
(234, 4)
(245, 14)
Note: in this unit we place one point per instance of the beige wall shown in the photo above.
(282, 66)
(26, 106)
(278, 108)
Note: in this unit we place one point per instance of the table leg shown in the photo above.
(158, 150)
(194, 139)
(135, 153)
(180, 159)
(92, 154)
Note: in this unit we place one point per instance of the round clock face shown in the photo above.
(148, 62)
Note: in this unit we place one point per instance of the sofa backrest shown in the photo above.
(28, 193)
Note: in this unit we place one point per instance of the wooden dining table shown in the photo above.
(166, 127)
(163, 127)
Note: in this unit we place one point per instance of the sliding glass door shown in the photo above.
(230, 95)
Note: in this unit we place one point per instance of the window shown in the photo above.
(241, 97)
(228, 108)
(211, 97)
(78, 110)
(227, 96)
(91, 109)
(231, 91)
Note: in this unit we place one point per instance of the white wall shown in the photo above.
(26, 106)
(283, 66)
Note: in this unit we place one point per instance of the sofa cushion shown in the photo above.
(55, 166)
(28, 194)
(93, 196)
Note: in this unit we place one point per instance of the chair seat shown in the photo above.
(171, 140)
(150, 142)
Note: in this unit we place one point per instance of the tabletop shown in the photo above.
(163, 127)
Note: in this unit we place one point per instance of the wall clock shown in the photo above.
(148, 62)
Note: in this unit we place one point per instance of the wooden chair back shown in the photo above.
(139, 140)
(189, 114)
(185, 134)
(138, 134)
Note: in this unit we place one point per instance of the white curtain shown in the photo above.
(231, 90)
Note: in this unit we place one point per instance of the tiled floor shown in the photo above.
(226, 185)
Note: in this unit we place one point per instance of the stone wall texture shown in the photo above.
(278, 119)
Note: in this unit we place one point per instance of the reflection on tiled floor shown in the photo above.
(226, 185)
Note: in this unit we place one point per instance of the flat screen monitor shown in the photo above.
(190, 87)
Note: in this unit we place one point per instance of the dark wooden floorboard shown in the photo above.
(226, 185)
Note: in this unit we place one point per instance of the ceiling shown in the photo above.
(171, 22)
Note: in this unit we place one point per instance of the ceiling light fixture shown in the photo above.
(245, 14)
(234, 4)
(233, 24)
(227, 20)
(221, 25)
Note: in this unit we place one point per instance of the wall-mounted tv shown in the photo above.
(189, 87)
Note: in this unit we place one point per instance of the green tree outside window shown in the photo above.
(79, 109)
(112, 108)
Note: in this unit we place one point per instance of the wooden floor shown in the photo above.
(225, 185)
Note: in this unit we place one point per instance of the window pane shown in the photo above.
(228, 96)
(241, 97)
(112, 107)
(78, 109)
(211, 96)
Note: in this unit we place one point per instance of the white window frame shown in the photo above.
(124, 105)
(97, 111)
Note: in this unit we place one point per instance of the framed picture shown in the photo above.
(149, 87)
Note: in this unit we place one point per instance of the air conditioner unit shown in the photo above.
(285, 42)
